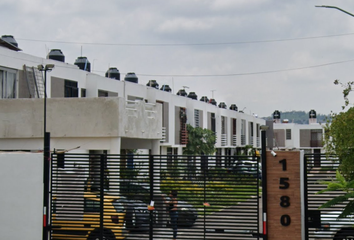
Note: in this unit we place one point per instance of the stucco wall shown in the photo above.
(66, 117)
(21, 201)
(80, 117)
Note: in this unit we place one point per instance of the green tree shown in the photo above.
(200, 141)
(339, 140)
(340, 184)
(347, 88)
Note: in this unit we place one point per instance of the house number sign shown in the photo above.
(285, 219)
(283, 195)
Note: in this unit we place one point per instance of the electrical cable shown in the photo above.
(187, 44)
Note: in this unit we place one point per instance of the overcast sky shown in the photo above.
(262, 55)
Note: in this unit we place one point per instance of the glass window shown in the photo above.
(288, 134)
(83, 92)
(71, 89)
(7, 84)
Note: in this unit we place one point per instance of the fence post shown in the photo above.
(102, 165)
(204, 200)
(264, 181)
(46, 180)
(305, 204)
(151, 178)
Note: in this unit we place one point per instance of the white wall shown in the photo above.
(21, 201)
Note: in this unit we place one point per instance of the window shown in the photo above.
(7, 84)
(223, 125)
(196, 117)
(234, 121)
(288, 134)
(83, 92)
(71, 89)
(213, 126)
(243, 132)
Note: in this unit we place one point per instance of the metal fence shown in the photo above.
(324, 223)
(102, 196)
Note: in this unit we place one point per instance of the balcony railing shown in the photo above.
(223, 139)
(163, 137)
(251, 140)
(243, 139)
(234, 140)
(258, 142)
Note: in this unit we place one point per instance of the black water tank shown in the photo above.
(204, 99)
(113, 73)
(312, 114)
(83, 63)
(131, 77)
(222, 105)
(10, 39)
(56, 54)
(166, 88)
(153, 83)
(233, 107)
(212, 101)
(182, 93)
(193, 95)
(276, 114)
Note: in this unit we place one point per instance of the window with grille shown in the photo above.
(196, 118)
(288, 134)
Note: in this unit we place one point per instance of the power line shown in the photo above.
(187, 44)
(244, 74)
(212, 75)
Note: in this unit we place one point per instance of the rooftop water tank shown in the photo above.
(222, 105)
(131, 77)
(10, 39)
(153, 83)
(276, 114)
(182, 93)
(56, 54)
(113, 73)
(312, 114)
(166, 88)
(193, 95)
(212, 101)
(233, 107)
(204, 99)
(83, 63)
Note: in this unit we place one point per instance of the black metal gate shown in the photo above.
(102, 196)
(323, 223)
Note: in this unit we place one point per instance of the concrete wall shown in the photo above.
(21, 201)
(80, 117)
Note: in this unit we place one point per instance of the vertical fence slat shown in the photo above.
(222, 190)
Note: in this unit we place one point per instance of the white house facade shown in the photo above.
(289, 136)
(88, 112)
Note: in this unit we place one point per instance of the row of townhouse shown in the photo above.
(86, 112)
